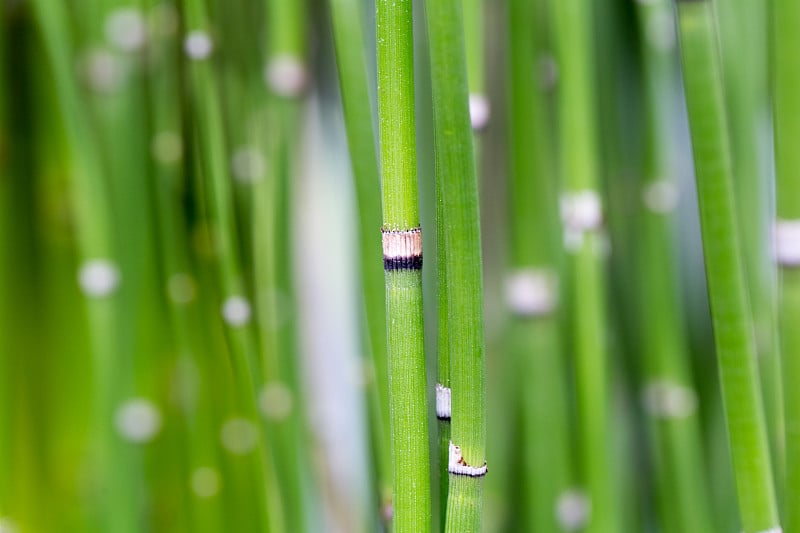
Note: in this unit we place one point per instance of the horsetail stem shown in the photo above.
(582, 216)
(532, 284)
(348, 34)
(743, 32)
(682, 488)
(786, 104)
(211, 154)
(474, 21)
(461, 280)
(730, 311)
(99, 275)
(402, 252)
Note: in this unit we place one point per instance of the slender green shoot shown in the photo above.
(743, 32)
(461, 279)
(532, 287)
(402, 253)
(786, 101)
(474, 23)
(667, 390)
(348, 35)
(730, 311)
(581, 208)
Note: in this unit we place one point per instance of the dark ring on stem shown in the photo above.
(402, 263)
(402, 250)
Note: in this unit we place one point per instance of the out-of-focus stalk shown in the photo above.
(348, 34)
(730, 310)
(786, 102)
(667, 389)
(532, 284)
(582, 215)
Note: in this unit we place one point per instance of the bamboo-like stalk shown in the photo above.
(402, 250)
(26, 417)
(178, 276)
(582, 215)
(348, 36)
(730, 311)
(461, 279)
(682, 487)
(6, 239)
(285, 76)
(100, 274)
(532, 285)
(474, 22)
(234, 307)
(743, 42)
(786, 102)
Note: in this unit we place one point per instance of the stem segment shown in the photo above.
(730, 311)
(402, 249)
(786, 98)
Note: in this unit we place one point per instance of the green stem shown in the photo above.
(177, 272)
(405, 346)
(348, 34)
(235, 307)
(579, 166)
(786, 101)
(730, 311)
(743, 35)
(534, 331)
(681, 484)
(272, 232)
(461, 280)
(90, 200)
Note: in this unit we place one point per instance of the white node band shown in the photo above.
(198, 45)
(773, 530)
(660, 196)
(443, 402)
(581, 210)
(399, 244)
(286, 75)
(99, 277)
(458, 466)
(236, 311)
(402, 250)
(479, 111)
(786, 239)
(532, 292)
(667, 399)
(573, 509)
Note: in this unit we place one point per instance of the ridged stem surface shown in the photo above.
(730, 310)
(411, 498)
(786, 102)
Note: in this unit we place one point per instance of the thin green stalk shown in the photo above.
(582, 214)
(100, 273)
(402, 249)
(474, 23)
(667, 388)
(743, 39)
(730, 311)
(141, 335)
(234, 305)
(786, 101)
(27, 388)
(282, 105)
(213, 167)
(532, 284)
(461, 279)
(348, 36)
(178, 277)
